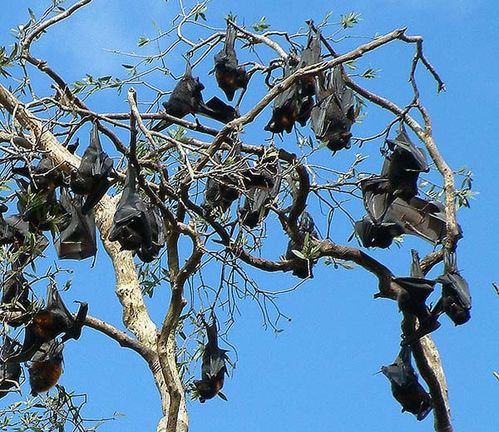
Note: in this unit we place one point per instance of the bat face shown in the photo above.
(213, 368)
(92, 176)
(9, 372)
(405, 386)
(46, 367)
(78, 239)
(131, 224)
(302, 267)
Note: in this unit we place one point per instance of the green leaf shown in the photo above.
(349, 20)
(261, 25)
(143, 41)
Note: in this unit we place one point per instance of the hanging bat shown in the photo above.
(334, 113)
(28, 244)
(9, 372)
(131, 224)
(289, 107)
(46, 367)
(258, 200)
(376, 196)
(425, 219)
(406, 388)
(403, 165)
(309, 56)
(186, 98)
(377, 235)
(50, 322)
(78, 240)
(415, 290)
(229, 75)
(6, 234)
(157, 236)
(15, 297)
(302, 267)
(44, 177)
(213, 369)
(92, 178)
(456, 297)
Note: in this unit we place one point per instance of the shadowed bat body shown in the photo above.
(376, 196)
(456, 297)
(15, 297)
(46, 367)
(213, 369)
(403, 165)
(302, 267)
(412, 299)
(50, 322)
(406, 388)
(131, 224)
(78, 239)
(186, 98)
(6, 233)
(309, 56)
(43, 177)
(378, 235)
(92, 178)
(334, 113)
(229, 75)
(289, 106)
(219, 194)
(256, 206)
(157, 236)
(9, 372)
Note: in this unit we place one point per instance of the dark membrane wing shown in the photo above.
(309, 56)
(405, 386)
(376, 196)
(10, 373)
(425, 219)
(415, 265)
(218, 110)
(377, 235)
(131, 224)
(78, 240)
(29, 245)
(157, 236)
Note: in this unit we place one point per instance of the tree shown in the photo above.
(175, 168)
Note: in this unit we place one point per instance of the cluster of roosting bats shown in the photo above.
(391, 201)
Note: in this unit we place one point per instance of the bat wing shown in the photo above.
(377, 197)
(416, 266)
(9, 372)
(218, 110)
(78, 240)
(157, 236)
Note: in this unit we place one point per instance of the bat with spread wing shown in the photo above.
(9, 372)
(406, 388)
(334, 113)
(78, 239)
(186, 98)
(302, 266)
(50, 322)
(46, 367)
(415, 290)
(229, 75)
(456, 298)
(93, 176)
(213, 368)
(403, 165)
(131, 223)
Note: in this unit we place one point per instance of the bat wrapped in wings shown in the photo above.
(406, 388)
(213, 368)
(377, 197)
(131, 223)
(93, 176)
(157, 236)
(415, 290)
(378, 234)
(15, 297)
(9, 372)
(46, 367)
(50, 322)
(229, 75)
(186, 98)
(456, 298)
(302, 265)
(403, 165)
(334, 113)
(78, 239)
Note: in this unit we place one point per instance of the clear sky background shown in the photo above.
(320, 372)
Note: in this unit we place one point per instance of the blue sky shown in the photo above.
(319, 373)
